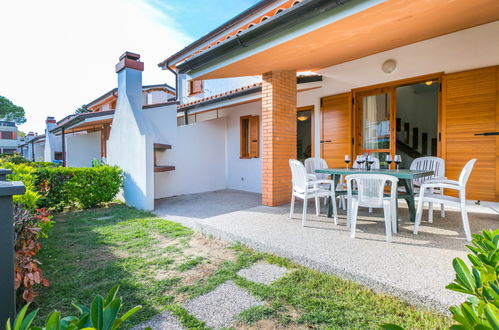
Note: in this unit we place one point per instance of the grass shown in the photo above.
(159, 266)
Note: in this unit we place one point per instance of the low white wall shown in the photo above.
(81, 149)
(39, 152)
(242, 174)
(198, 154)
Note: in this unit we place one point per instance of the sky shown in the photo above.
(57, 55)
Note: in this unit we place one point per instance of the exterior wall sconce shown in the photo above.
(389, 66)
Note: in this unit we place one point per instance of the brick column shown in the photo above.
(278, 135)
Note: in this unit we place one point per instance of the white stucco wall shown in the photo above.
(39, 151)
(82, 148)
(198, 154)
(242, 174)
(467, 49)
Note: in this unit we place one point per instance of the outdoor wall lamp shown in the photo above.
(389, 66)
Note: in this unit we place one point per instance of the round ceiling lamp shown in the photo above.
(302, 117)
(389, 66)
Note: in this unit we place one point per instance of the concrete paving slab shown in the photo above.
(220, 307)
(163, 321)
(263, 273)
(415, 268)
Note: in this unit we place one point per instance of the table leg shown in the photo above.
(330, 201)
(409, 188)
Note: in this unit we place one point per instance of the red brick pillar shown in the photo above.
(278, 135)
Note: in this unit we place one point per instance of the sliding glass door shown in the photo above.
(375, 113)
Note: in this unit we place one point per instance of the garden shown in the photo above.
(78, 251)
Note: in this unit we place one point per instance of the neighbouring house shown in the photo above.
(8, 137)
(79, 138)
(33, 147)
(293, 79)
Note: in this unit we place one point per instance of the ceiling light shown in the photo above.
(429, 83)
(389, 66)
(302, 117)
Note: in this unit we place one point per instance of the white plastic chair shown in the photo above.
(374, 166)
(305, 188)
(370, 193)
(431, 197)
(437, 165)
(312, 164)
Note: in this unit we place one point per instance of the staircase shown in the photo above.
(408, 141)
(159, 147)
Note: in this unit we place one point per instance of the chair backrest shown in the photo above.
(466, 171)
(371, 188)
(298, 175)
(374, 166)
(312, 164)
(435, 164)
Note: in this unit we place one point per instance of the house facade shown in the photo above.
(8, 137)
(294, 79)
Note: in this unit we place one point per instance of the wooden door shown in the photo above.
(336, 131)
(470, 106)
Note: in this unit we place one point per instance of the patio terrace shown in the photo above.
(414, 268)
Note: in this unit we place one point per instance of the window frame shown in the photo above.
(249, 139)
(197, 91)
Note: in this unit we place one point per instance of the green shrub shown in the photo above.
(103, 314)
(13, 158)
(481, 283)
(78, 187)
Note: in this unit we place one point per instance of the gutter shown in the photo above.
(80, 118)
(289, 18)
(227, 25)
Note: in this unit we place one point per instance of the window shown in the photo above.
(8, 135)
(195, 87)
(250, 137)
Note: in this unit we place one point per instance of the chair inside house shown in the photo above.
(426, 194)
(437, 165)
(370, 194)
(306, 187)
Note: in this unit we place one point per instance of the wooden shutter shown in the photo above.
(470, 105)
(336, 132)
(254, 136)
(195, 86)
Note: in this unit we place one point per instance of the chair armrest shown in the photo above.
(440, 185)
(331, 182)
(445, 181)
(312, 177)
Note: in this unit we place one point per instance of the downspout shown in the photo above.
(63, 147)
(33, 150)
(175, 73)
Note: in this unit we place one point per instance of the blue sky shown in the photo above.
(62, 53)
(197, 17)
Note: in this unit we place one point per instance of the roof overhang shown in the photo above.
(92, 121)
(336, 34)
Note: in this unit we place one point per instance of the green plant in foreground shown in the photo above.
(481, 310)
(102, 315)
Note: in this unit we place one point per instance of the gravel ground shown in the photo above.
(263, 273)
(219, 307)
(162, 321)
(414, 268)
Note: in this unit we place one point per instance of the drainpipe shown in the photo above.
(175, 73)
(63, 147)
(33, 150)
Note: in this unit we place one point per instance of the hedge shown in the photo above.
(77, 187)
(60, 187)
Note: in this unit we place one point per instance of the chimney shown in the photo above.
(50, 122)
(129, 70)
(31, 134)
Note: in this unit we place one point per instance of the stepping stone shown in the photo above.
(103, 218)
(263, 273)
(220, 307)
(164, 320)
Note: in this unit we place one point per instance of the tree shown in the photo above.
(11, 112)
(83, 109)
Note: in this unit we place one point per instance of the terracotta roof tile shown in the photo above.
(216, 96)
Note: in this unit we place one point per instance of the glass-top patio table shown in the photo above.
(405, 177)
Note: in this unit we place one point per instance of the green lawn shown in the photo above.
(160, 264)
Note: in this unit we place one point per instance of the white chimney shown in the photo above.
(52, 143)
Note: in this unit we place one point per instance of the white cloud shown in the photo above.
(59, 54)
